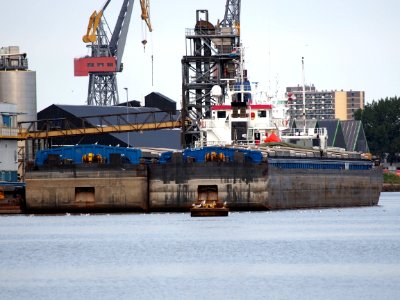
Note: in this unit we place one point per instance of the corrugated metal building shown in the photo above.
(165, 138)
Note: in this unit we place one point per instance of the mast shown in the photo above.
(304, 94)
(241, 74)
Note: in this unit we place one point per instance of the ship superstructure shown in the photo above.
(244, 115)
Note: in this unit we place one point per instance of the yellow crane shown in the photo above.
(95, 18)
(145, 5)
(105, 59)
(94, 21)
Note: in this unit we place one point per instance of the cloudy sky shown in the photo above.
(347, 44)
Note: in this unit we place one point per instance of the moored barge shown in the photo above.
(265, 178)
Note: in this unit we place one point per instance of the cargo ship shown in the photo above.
(246, 153)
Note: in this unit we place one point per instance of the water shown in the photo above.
(351, 253)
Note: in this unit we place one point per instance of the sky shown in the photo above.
(346, 44)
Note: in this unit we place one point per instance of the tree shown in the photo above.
(381, 120)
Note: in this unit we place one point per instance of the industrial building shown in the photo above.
(17, 104)
(155, 109)
(8, 142)
(10, 189)
(18, 87)
(322, 105)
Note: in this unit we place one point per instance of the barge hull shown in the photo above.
(174, 187)
(86, 190)
(262, 187)
(289, 189)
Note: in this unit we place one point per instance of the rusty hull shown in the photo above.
(261, 187)
(174, 187)
(86, 190)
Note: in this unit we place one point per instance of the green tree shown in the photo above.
(381, 120)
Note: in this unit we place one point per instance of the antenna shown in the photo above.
(304, 94)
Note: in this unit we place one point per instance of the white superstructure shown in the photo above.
(244, 116)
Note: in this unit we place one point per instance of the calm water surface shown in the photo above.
(351, 253)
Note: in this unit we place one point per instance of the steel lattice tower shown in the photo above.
(102, 89)
(232, 14)
(211, 60)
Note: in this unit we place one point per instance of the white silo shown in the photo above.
(18, 86)
(17, 83)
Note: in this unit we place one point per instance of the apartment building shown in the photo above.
(321, 105)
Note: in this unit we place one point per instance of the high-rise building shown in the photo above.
(324, 104)
(348, 102)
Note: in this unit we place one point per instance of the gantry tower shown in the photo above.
(211, 60)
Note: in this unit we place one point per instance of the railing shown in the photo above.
(214, 32)
(237, 143)
(310, 132)
(221, 39)
(13, 62)
(10, 132)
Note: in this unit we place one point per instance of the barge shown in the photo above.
(208, 204)
(265, 178)
(240, 154)
(87, 178)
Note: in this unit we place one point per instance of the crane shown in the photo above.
(232, 17)
(106, 53)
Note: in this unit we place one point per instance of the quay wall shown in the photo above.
(391, 187)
